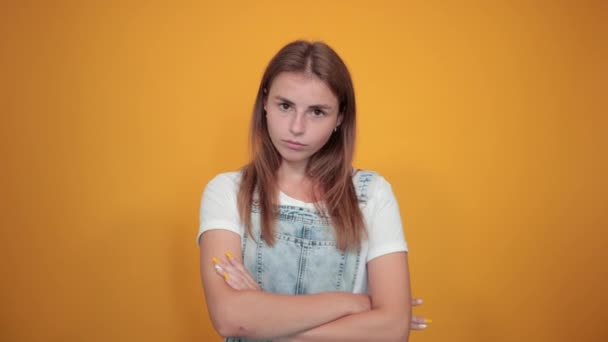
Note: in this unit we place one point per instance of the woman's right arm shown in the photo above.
(263, 315)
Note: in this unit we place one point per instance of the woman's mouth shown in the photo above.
(294, 145)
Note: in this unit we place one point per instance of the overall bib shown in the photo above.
(304, 258)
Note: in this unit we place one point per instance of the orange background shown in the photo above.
(488, 118)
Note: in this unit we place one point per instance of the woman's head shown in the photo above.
(304, 114)
(306, 96)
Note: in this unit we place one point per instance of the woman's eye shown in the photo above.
(318, 112)
(284, 106)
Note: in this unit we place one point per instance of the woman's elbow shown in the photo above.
(227, 324)
(229, 328)
(403, 333)
(224, 328)
(398, 328)
(400, 333)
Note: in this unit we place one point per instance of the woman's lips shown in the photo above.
(294, 145)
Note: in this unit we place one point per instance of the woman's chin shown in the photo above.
(294, 159)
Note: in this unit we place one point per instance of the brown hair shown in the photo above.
(329, 168)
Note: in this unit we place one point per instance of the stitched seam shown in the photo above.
(301, 270)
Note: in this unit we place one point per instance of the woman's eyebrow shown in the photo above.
(280, 98)
(320, 106)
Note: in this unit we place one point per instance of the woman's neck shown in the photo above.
(292, 172)
(293, 181)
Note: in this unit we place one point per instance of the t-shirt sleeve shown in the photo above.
(385, 231)
(218, 208)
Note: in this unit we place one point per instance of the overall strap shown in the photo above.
(363, 180)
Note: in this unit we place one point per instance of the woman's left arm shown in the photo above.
(389, 319)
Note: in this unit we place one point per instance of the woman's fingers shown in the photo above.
(419, 323)
(227, 272)
(418, 326)
(243, 271)
(234, 277)
(235, 282)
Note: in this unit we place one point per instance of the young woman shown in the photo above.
(298, 245)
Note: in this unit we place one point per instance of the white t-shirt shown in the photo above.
(381, 214)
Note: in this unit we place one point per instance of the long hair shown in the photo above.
(330, 168)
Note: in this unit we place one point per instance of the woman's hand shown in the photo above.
(234, 273)
(238, 278)
(418, 323)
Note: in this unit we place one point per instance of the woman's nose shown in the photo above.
(297, 125)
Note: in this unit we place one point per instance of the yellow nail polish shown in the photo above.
(226, 276)
(215, 260)
(428, 321)
(228, 254)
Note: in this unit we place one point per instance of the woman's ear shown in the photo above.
(340, 118)
(264, 98)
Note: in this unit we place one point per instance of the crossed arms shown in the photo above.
(384, 315)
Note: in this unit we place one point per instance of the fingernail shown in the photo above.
(228, 254)
(422, 326)
(428, 321)
(215, 260)
(226, 276)
(218, 267)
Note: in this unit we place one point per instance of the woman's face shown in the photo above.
(302, 113)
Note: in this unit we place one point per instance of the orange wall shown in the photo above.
(489, 120)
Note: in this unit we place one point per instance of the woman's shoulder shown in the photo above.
(229, 175)
(371, 176)
(225, 180)
(371, 183)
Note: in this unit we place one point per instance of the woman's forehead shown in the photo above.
(303, 86)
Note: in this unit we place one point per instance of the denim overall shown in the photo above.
(304, 258)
